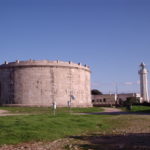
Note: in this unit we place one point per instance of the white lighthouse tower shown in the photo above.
(143, 72)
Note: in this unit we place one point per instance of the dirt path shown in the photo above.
(3, 111)
(106, 111)
(7, 113)
(111, 109)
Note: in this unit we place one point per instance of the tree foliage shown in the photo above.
(96, 92)
(131, 101)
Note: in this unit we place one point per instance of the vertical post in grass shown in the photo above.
(69, 106)
(54, 108)
(72, 97)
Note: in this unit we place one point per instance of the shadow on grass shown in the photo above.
(119, 113)
(139, 108)
(143, 111)
(139, 141)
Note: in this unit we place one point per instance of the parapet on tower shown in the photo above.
(143, 72)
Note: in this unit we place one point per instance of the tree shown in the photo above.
(130, 101)
(96, 92)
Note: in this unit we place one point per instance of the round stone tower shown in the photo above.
(41, 83)
(143, 72)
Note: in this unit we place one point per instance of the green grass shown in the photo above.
(145, 109)
(48, 110)
(137, 108)
(87, 110)
(16, 129)
(36, 110)
(42, 125)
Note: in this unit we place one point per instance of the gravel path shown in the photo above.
(3, 111)
(111, 109)
(7, 113)
(107, 111)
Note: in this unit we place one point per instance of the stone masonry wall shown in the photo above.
(40, 83)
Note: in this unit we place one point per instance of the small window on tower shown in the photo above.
(93, 100)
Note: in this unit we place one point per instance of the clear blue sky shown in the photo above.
(111, 36)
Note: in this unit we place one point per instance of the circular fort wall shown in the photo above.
(40, 83)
